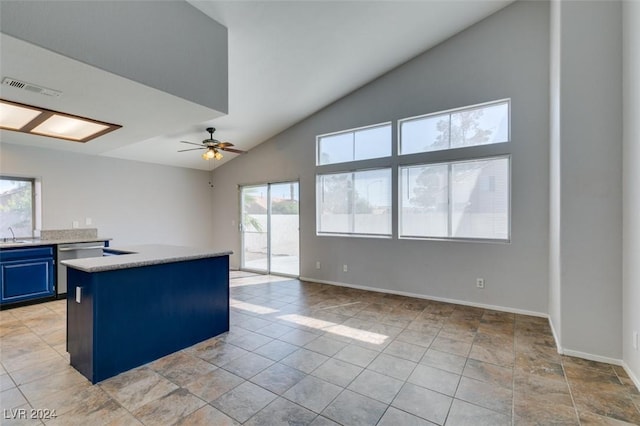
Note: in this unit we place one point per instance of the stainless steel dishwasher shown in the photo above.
(74, 251)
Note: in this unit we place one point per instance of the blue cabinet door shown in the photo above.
(25, 277)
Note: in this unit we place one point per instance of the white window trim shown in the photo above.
(396, 161)
(36, 201)
(353, 130)
(319, 193)
(450, 111)
(449, 210)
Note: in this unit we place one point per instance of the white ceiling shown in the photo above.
(287, 60)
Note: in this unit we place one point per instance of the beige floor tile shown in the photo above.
(402, 361)
(213, 384)
(169, 409)
(181, 368)
(207, 416)
(463, 413)
(422, 402)
(137, 387)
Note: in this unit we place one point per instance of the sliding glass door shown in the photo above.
(270, 228)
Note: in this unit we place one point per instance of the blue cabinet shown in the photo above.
(123, 318)
(26, 274)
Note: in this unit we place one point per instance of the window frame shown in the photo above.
(450, 163)
(396, 161)
(352, 215)
(354, 131)
(35, 201)
(449, 112)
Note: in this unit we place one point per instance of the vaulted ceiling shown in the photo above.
(287, 60)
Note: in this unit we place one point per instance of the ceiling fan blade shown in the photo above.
(223, 144)
(191, 143)
(191, 149)
(237, 151)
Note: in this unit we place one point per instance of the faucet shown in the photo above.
(13, 233)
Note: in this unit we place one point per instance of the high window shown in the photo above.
(449, 186)
(477, 125)
(17, 206)
(354, 145)
(450, 178)
(354, 195)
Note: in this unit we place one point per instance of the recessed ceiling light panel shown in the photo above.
(14, 117)
(67, 127)
(45, 122)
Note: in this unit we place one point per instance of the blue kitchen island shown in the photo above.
(125, 311)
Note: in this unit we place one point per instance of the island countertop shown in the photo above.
(142, 255)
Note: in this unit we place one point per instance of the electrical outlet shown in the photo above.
(88, 221)
(345, 268)
(635, 340)
(318, 265)
(480, 282)
(75, 224)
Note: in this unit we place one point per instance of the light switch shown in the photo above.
(78, 294)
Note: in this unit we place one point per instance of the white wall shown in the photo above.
(631, 186)
(78, 29)
(506, 55)
(131, 202)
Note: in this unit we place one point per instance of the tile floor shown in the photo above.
(304, 353)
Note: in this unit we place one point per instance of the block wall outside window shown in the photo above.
(357, 203)
(463, 199)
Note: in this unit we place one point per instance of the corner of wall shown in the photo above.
(631, 188)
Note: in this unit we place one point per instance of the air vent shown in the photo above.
(34, 88)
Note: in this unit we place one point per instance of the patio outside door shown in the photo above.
(270, 228)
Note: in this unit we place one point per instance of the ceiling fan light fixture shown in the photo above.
(212, 147)
(45, 122)
(209, 154)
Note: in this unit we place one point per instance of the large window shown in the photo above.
(462, 199)
(478, 125)
(449, 179)
(355, 203)
(17, 206)
(354, 145)
(353, 195)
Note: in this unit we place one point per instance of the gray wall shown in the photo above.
(506, 55)
(631, 185)
(131, 202)
(555, 306)
(588, 152)
(78, 29)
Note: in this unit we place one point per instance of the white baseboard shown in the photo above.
(555, 337)
(427, 297)
(592, 357)
(579, 354)
(634, 378)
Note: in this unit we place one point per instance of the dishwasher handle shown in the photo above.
(80, 248)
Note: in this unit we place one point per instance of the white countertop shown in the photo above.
(142, 255)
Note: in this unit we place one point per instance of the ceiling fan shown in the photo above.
(213, 147)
